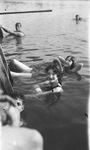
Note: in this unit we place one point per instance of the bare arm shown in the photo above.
(77, 68)
(39, 95)
(13, 33)
(42, 95)
(44, 83)
(63, 61)
(8, 31)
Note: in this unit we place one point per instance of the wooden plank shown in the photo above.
(20, 12)
(3, 58)
(4, 75)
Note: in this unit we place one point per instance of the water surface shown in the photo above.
(63, 122)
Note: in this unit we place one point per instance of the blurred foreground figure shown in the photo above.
(20, 139)
(12, 137)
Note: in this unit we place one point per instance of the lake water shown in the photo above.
(63, 124)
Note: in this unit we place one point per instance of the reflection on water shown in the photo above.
(61, 119)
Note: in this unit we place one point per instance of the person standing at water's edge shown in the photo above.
(17, 31)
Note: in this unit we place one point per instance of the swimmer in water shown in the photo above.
(77, 18)
(68, 64)
(53, 84)
(17, 32)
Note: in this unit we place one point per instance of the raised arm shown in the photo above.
(6, 30)
(77, 67)
(13, 33)
(64, 62)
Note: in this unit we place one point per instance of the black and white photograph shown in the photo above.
(44, 74)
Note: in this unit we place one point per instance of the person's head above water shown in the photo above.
(77, 18)
(18, 26)
(71, 59)
(52, 67)
(53, 72)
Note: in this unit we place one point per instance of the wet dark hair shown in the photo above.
(56, 70)
(77, 16)
(53, 67)
(18, 24)
(15, 95)
(72, 58)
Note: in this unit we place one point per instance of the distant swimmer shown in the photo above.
(78, 18)
(17, 32)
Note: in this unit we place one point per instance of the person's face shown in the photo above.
(69, 60)
(19, 104)
(52, 76)
(18, 27)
